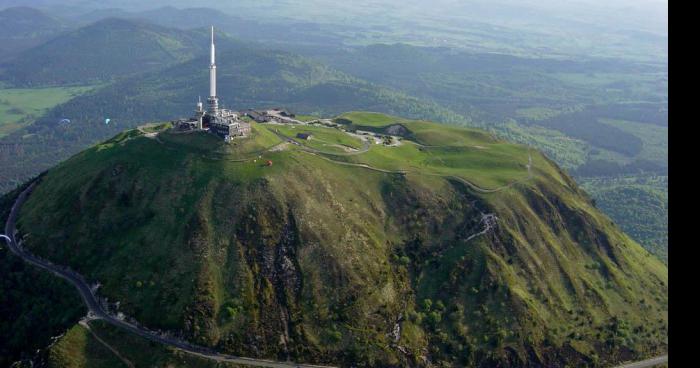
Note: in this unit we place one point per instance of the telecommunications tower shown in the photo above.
(213, 101)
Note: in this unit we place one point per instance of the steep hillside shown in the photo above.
(599, 118)
(450, 248)
(101, 52)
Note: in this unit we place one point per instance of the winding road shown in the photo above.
(96, 311)
(653, 362)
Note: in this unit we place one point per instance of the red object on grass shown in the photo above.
(269, 163)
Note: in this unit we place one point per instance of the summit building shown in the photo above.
(221, 122)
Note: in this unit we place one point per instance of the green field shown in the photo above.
(322, 138)
(371, 118)
(19, 106)
(432, 149)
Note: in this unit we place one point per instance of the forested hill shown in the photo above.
(22, 21)
(103, 51)
(248, 78)
(23, 27)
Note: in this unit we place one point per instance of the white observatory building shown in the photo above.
(222, 122)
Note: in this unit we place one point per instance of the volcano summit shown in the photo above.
(380, 241)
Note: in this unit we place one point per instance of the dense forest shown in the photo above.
(639, 203)
(33, 303)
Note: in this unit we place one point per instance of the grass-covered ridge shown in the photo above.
(79, 56)
(321, 256)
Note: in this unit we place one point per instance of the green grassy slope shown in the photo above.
(99, 346)
(78, 348)
(320, 256)
(596, 117)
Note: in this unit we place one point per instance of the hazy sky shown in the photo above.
(623, 8)
(614, 27)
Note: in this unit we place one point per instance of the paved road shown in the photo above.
(646, 363)
(97, 312)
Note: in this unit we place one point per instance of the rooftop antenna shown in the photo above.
(213, 100)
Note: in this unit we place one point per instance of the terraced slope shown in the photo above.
(450, 248)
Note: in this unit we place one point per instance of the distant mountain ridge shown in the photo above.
(23, 27)
(240, 25)
(167, 16)
(100, 52)
(23, 20)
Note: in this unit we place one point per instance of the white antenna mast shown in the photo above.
(213, 100)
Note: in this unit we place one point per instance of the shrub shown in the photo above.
(427, 304)
(434, 318)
